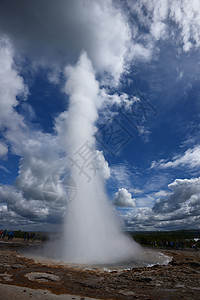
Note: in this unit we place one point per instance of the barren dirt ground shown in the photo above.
(180, 279)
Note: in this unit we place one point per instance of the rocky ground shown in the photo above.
(180, 279)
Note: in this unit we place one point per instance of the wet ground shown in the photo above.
(180, 279)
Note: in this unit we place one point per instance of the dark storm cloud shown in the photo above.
(43, 26)
(55, 32)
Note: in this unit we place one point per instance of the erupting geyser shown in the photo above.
(92, 232)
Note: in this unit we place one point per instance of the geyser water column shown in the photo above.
(92, 232)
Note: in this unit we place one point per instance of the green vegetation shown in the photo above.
(168, 239)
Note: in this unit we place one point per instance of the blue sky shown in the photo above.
(145, 56)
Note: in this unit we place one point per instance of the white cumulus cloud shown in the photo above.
(174, 209)
(123, 198)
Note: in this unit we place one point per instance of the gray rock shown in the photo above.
(42, 277)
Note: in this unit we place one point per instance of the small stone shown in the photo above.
(127, 293)
(16, 266)
(179, 286)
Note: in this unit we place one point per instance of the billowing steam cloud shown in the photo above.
(92, 233)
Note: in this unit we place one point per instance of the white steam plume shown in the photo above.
(92, 232)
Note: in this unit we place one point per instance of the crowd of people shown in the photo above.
(10, 234)
(5, 233)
